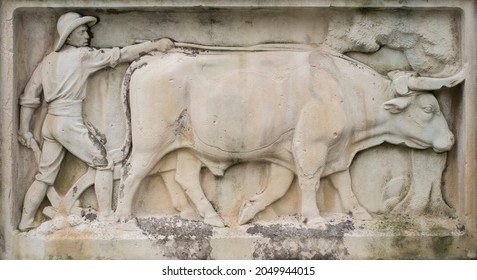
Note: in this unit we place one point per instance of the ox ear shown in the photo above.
(397, 105)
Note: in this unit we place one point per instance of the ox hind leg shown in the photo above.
(342, 182)
(188, 176)
(279, 181)
(177, 195)
(133, 173)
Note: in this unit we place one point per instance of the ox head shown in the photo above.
(416, 121)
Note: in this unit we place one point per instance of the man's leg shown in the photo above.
(33, 198)
(52, 154)
(78, 140)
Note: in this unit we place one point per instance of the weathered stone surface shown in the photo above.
(395, 237)
(260, 130)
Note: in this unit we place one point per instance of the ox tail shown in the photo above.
(122, 153)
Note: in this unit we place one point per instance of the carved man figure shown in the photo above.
(62, 77)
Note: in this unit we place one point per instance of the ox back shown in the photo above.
(235, 107)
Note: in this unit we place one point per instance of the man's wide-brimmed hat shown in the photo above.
(69, 22)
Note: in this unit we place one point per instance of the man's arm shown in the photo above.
(133, 52)
(29, 101)
(24, 133)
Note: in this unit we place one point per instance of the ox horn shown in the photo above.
(404, 82)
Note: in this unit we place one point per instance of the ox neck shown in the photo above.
(375, 128)
(371, 121)
(376, 135)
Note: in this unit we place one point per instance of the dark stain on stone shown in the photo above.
(96, 132)
(441, 246)
(89, 214)
(125, 170)
(183, 124)
(97, 143)
(142, 64)
(127, 78)
(127, 146)
(282, 232)
(405, 247)
(214, 21)
(291, 242)
(191, 52)
(121, 191)
(90, 217)
(98, 161)
(141, 54)
(178, 238)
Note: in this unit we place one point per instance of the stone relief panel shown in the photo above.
(159, 119)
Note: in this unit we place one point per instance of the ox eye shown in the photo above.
(428, 109)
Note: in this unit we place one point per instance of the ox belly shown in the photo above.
(232, 107)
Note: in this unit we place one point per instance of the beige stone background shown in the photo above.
(28, 31)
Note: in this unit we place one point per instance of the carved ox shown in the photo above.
(306, 112)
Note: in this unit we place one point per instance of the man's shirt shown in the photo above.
(63, 76)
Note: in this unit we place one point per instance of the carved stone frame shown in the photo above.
(463, 158)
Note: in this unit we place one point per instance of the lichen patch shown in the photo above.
(180, 239)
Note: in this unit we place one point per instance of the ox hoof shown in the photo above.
(391, 203)
(107, 216)
(121, 217)
(444, 210)
(316, 223)
(26, 226)
(361, 214)
(188, 214)
(214, 220)
(247, 213)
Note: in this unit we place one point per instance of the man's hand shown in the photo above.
(163, 45)
(25, 138)
(132, 52)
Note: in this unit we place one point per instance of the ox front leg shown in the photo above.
(342, 182)
(309, 208)
(279, 182)
(310, 150)
(135, 170)
(188, 176)
(310, 164)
